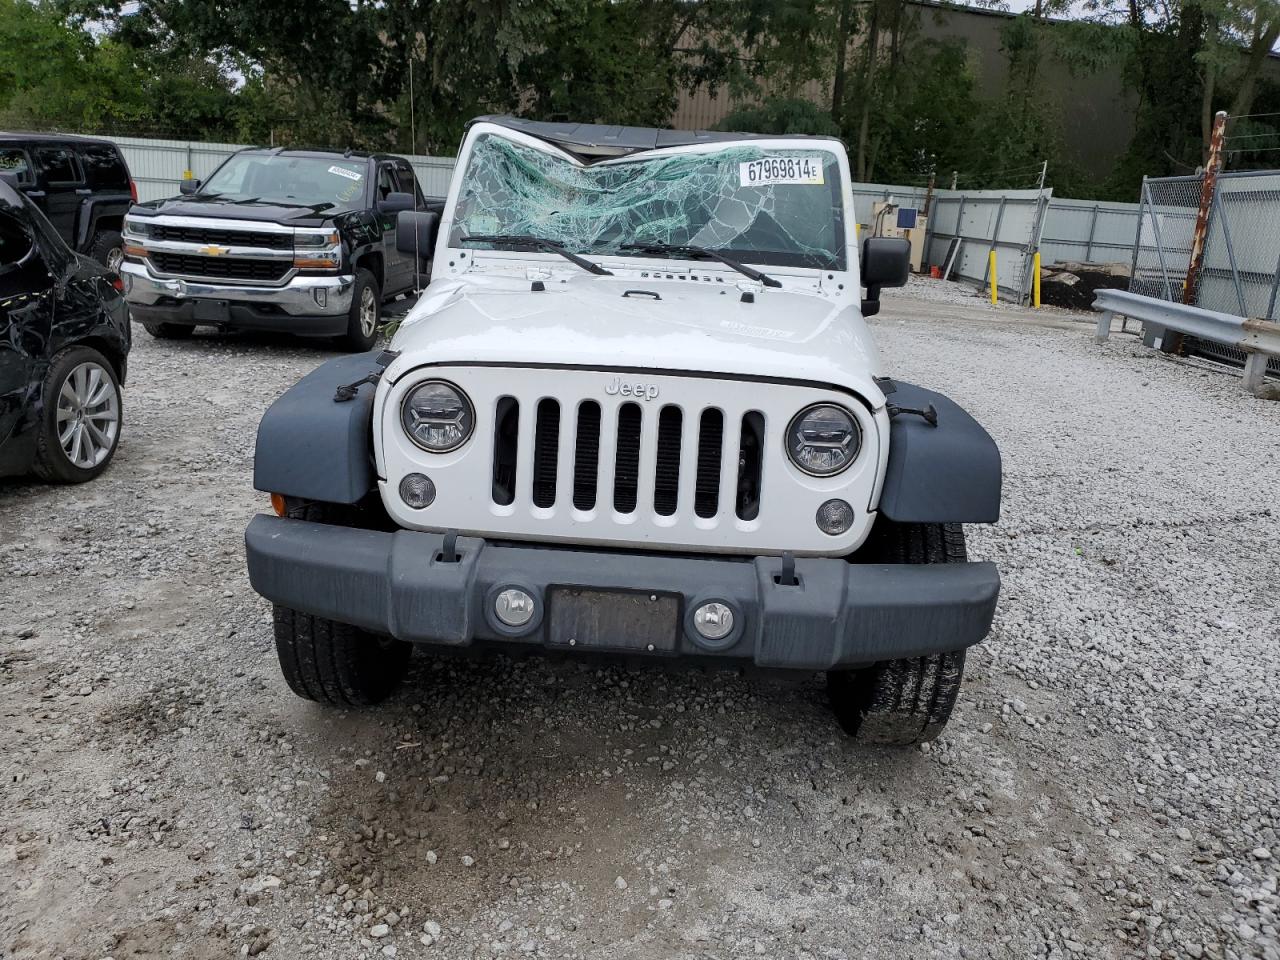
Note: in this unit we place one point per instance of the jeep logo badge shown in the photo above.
(641, 391)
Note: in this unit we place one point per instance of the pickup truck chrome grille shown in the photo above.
(654, 435)
(645, 459)
(222, 268)
(273, 240)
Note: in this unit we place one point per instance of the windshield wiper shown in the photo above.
(677, 249)
(541, 243)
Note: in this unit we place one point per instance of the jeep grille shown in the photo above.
(633, 438)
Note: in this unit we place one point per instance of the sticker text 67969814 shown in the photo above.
(770, 170)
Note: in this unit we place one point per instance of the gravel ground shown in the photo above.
(1107, 787)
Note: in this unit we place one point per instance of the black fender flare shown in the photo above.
(312, 447)
(93, 211)
(944, 473)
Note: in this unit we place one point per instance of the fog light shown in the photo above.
(417, 490)
(834, 517)
(713, 620)
(514, 607)
(322, 297)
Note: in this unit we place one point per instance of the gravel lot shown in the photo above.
(1107, 787)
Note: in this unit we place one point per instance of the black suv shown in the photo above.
(64, 348)
(293, 241)
(82, 185)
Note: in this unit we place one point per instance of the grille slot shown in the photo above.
(750, 465)
(224, 268)
(666, 481)
(546, 442)
(223, 238)
(506, 427)
(706, 491)
(586, 459)
(626, 471)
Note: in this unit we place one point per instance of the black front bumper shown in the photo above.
(838, 614)
(264, 318)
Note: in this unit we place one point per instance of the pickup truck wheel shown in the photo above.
(169, 331)
(366, 314)
(901, 702)
(81, 417)
(336, 663)
(108, 249)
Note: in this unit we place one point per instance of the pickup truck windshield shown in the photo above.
(331, 183)
(751, 203)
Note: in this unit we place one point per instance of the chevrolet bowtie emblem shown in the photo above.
(213, 250)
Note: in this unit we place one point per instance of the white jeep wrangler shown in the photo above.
(636, 411)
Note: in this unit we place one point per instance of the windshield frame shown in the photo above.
(451, 255)
(357, 202)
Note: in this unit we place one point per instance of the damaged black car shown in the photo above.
(64, 346)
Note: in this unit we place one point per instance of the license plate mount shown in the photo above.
(210, 311)
(620, 621)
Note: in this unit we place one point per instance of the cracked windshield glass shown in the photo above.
(763, 206)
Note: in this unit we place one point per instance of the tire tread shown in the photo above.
(905, 701)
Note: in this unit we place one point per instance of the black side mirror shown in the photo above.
(188, 187)
(396, 203)
(416, 232)
(886, 262)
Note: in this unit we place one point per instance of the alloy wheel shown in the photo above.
(88, 415)
(368, 312)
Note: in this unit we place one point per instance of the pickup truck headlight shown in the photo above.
(135, 235)
(437, 416)
(317, 250)
(823, 439)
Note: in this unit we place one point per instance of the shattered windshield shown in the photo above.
(758, 205)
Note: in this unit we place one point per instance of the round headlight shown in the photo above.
(823, 439)
(437, 416)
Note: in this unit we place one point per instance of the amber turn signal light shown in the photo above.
(277, 504)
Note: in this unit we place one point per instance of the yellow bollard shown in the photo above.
(995, 297)
(1035, 281)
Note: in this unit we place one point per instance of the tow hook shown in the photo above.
(928, 414)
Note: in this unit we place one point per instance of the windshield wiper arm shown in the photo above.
(688, 250)
(541, 243)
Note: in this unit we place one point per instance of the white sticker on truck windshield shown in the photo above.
(763, 173)
(344, 172)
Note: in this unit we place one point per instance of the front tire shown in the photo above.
(365, 315)
(331, 662)
(905, 701)
(335, 663)
(81, 417)
(108, 249)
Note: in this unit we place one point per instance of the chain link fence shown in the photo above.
(1166, 226)
(1240, 269)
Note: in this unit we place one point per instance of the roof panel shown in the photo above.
(595, 139)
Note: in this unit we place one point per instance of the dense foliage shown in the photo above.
(407, 74)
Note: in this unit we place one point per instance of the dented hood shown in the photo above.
(620, 322)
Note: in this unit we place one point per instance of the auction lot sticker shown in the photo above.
(771, 170)
(344, 172)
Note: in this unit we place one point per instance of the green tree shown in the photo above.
(782, 115)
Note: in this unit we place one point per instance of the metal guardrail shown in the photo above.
(1259, 339)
